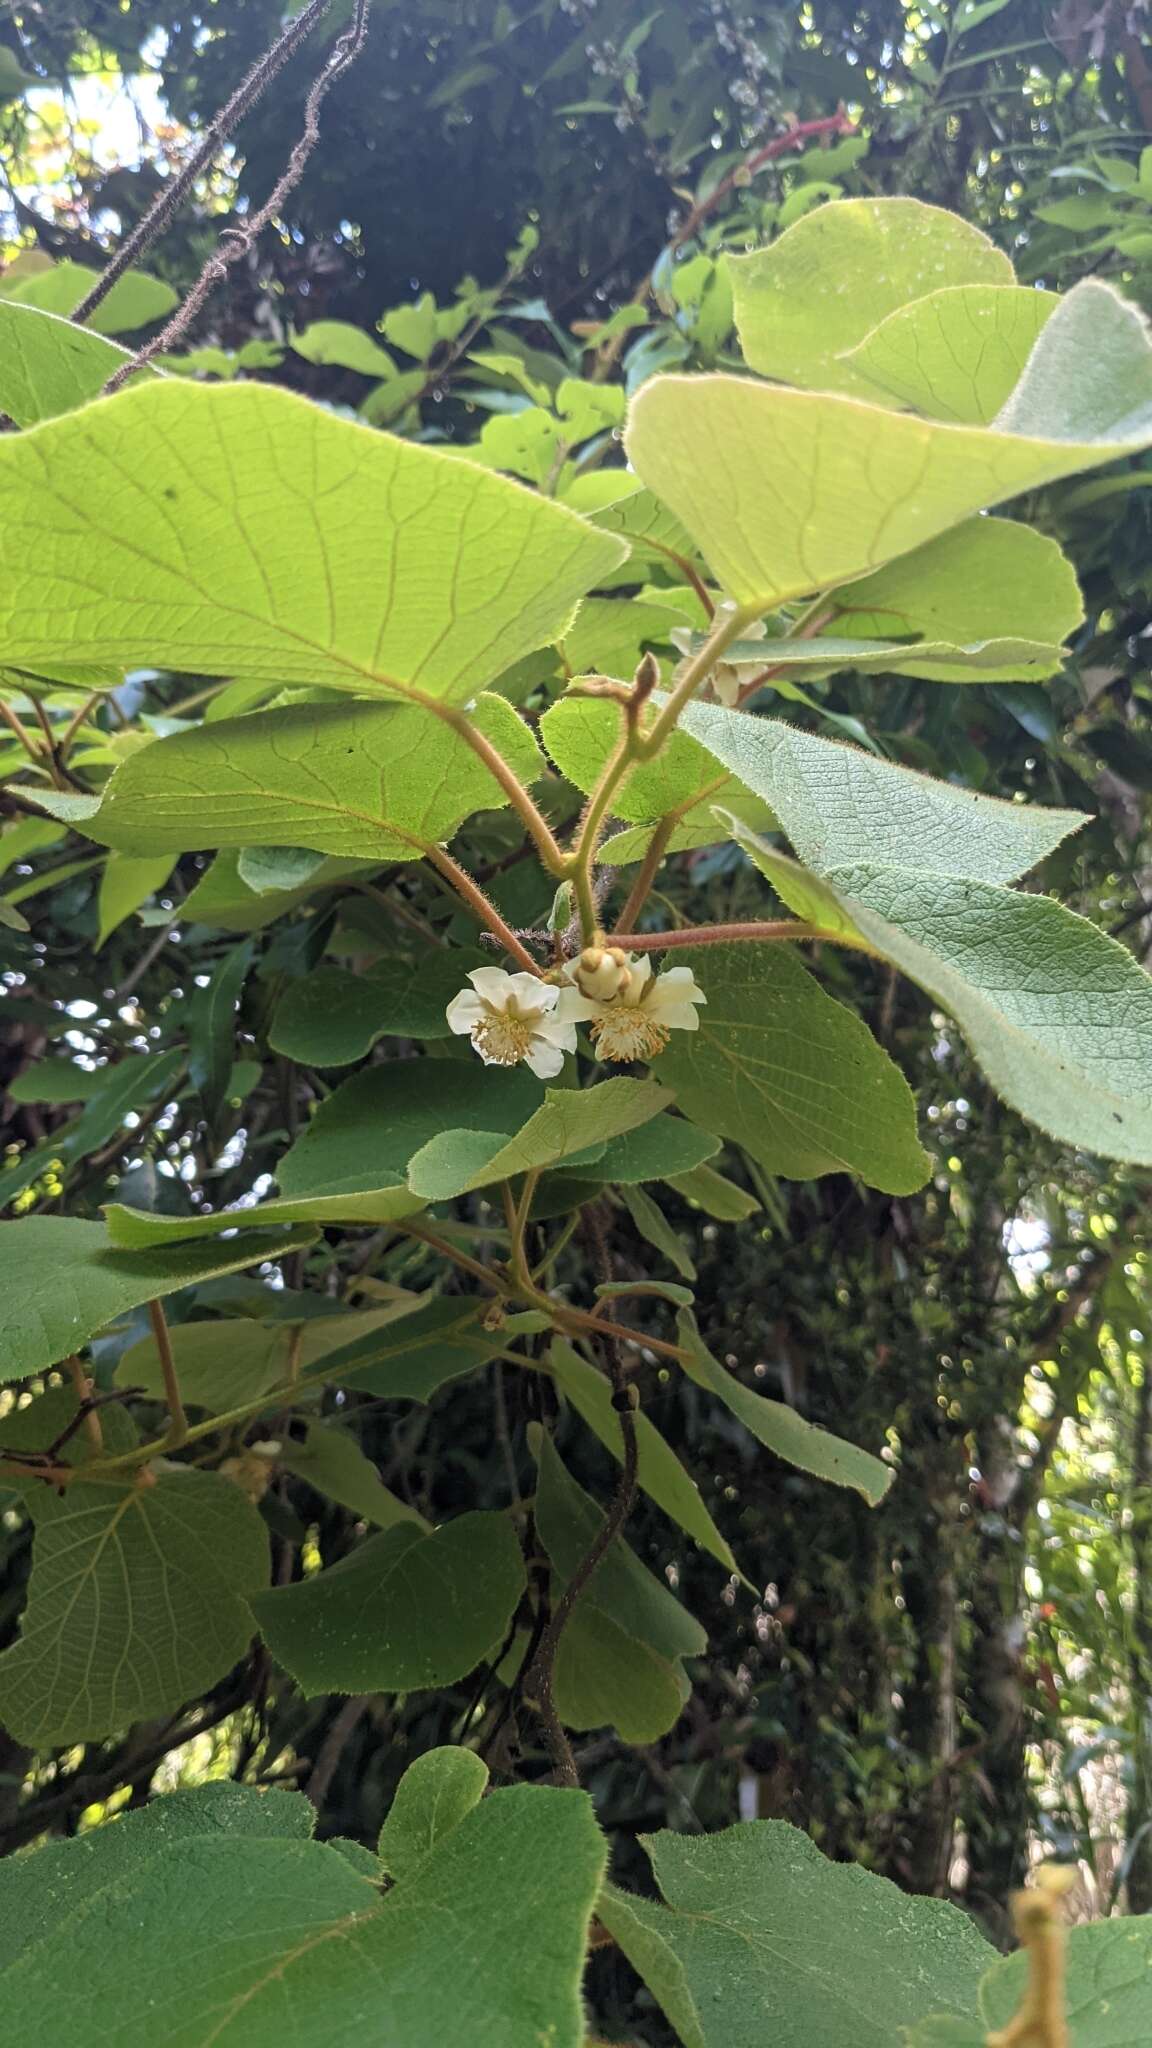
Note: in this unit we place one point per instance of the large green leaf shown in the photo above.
(1058, 1014)
(61, 1280)
(956, 355)
(659, 1471)
(136, 1602)
(571, 1123)
(48, 366)
(791, 1075)
(1108, 1997)
(725, 454)
(838, 803)
(985, 579)
(331, 1017)
(351, 1164)
(776, 1944)
(403, 1611)
(377, 781)
(781, 1428)
(135, 300)
(314, 1956)
(804, 302)
(257, 535)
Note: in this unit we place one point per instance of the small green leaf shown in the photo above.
(331, 1460)
(581, 733)
(402, 1612)
(435, 1794)
(335, 343)
(809, 298)
(48, 366)
(655, 1228)
(570, 1124)
(136, 1602)
(715, 1194)
(61, 1280)
(794, 1077)
(212, 1027)
(660, 1473)
(128, 881)
(395, 567)
(782, 1429)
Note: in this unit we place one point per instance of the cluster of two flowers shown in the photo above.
(630, 1010)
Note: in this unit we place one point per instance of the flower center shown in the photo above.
(628, 1034)
(503, 1037)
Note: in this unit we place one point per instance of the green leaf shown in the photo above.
(212, 1027)
(402, 1612)
(438, 1343)
(809, 298)
(135, 1603)
(813, 901)
(655, 1228)
(715, 1194)
(603, 1677)
(61, 1280)
(782, 1429)
(331, 1460)
(331, 1017)
(314, 1955)
(373, 565)
(724, 454)
(1008, 657)
(335, 343)
(764, 1929)
(609, 635)
(986, 579)
(570, 1123)
(221, 899)
(135, 300)
(45, 1889)
(957, 354)
(57, 1081)
(783, 1070)
(660, 1473)
(654, 1962)
(48, 366)
(435, 1794)
(1058, 1014)
(838, 803)
(128, 881)
(370, 780)
(581, 734)
(222, 1363)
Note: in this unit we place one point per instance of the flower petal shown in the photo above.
(493, 984)
(531, 993)
(556, 1031)
(573, 1008)
(678, 1016)
(544, 1059)
(463, 1012)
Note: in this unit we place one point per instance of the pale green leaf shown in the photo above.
(1058, 1014)
(371, 780)
(581, 733)
(955, 355)
(776, 1944)
(794, 1077)
(814, 901)
(315, 1956)
(225, 1362)
(715, 1194)
(61, 1280)
(441, 1342)
(135, 300)
(660, 1473)
(603, 1677)
(402, 1612)
(48, 366)
(654, 1962)
(373, 564)
(335, 343)
(985, 579)
(724, 453)
(435, 1794)
(331, 1460)
(569, 1123)
(128, 881)
(1007, 659)
(781, 1428)
(223, 901)
(838, 803)
(609, 634)
(136, 1602)
(1108, 1999)
(804, 302)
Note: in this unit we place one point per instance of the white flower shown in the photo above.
(514, 1017)
(636, 1024)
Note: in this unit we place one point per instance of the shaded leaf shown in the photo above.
(435, 1794)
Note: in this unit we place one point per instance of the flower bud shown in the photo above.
(601, 972)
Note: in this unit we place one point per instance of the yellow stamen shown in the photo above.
(504, 1037)
(628, 1034)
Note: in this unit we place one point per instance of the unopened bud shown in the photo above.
(646, 678)
(601, 972)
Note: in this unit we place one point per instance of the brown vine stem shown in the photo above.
(168, 203)
(178, 1420)
(480, 906)
(235, 242)
(723, 934)
(642, 887)
(93, 1428)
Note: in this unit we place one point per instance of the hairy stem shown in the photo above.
(479, 905)
(178, 1431)
(723, 934)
